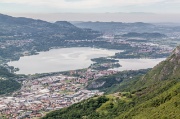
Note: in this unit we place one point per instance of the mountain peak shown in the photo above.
(177, 51)
(168, 69)
(65, 24)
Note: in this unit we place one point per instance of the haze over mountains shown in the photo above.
(104, 17)
(27, 26)
(120, 27)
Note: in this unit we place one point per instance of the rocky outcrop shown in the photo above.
(95, 85)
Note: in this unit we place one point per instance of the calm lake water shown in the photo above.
(62, 59)
(135, 64)
(65, 59)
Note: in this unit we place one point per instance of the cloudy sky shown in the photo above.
(165, 10)
(90, 6)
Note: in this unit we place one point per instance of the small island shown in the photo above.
(104, 63)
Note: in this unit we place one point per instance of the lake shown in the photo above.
(65, 59)
(135, 64)
(62, 59)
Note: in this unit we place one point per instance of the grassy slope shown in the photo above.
(163, 102)
(85, 109)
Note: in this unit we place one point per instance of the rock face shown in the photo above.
(95, 85)
(177, 51)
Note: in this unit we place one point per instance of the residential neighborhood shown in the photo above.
(39, 96)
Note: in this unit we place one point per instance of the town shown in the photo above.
(39, 96)
(133, 47)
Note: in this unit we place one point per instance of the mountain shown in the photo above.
(30, 28)
(156, 95)
(168, 69)
(19, 35)
(5, 19)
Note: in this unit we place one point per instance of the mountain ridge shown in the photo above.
(19, 25)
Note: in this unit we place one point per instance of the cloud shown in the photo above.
(82, 4)
(73, 0)
(172, 1)
(90, 6)
(56, 3)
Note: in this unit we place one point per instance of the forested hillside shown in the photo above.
(7, 82)
(19, 35)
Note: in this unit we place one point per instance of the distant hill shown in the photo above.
(156, 95)
(31, 28)
(144, 35)
(5, 19)
(65, 24)
(120, 27)
(115, 27)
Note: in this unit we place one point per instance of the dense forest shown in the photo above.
(7, 82)
(8, 86)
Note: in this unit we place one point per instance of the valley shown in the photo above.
(88, 70)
